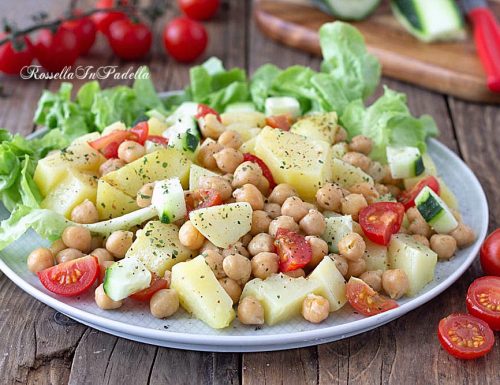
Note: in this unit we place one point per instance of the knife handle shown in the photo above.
(487, 37)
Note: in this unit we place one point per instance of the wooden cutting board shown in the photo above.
(450, 68)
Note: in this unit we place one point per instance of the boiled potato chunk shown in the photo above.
(223, 225)
(375, 256)
(252, 118)
(157, 245)
(156, 126)
(162, 164)
(248, 146)
(319, 126)
(111, 202)
(339, 150)
(415, 259)
(201, 294)
(301, 162)
(195, 173)
(246, 130)
(49, 172)
(347, 175)
(331, 283)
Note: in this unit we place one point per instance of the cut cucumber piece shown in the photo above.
(348, 9)
(126, 277)
(282, 105)
(435, 212)
(185, 109)
(430, 169)
(240, 107)
(405, 162)
(184, 135)
(336, 229)
(168, 200)
(430, 20)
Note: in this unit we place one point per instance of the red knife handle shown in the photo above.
(487, 37)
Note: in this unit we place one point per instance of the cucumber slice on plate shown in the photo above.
(405, 162)
(240, 107)
(435, 212)
(126, 277)
(348, 9)
(184, 135)
(282, 105)
(168, 200)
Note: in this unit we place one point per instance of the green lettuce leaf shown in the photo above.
(261, 83)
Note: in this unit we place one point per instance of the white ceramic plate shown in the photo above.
(133, 320)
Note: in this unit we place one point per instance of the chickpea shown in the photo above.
(102, 255)
(395, 283)
(313, 223)
(356, 228)
(340, 135)
(250, 311)
(297, 273)
(356, 268)
(40, 259)
(229, 178)
(190, 237)
(377, 172)
(310, 206)
(329, 197)
(246, 173)
(421, 239)
(281, 192)
(232, 288)
(352, 205)
(110, 165)
(443, 245)
(260, 222)
(388, 179)
(145, 194)
(68, 255)
(273, 209)
(228, 159)
(206, 154)
(85, 212)
(129, 151)
(250, 194)
(263, 185)
(373, 279)
(236, 248)
(214, 260)
(381, 189)
(245, 239)
(315, 308)
(341, 264)
(211, 127)
(357, 159)
(361, 143)
(394, 190)
(261, 243)
(77, 237)
(365, 189)
(417, 225)
(57, 246)
(294, 207)
(119, 242)
(282, 221)
(264, 265)
(319, 250)
(237, 267)
(103, 301)
(231, 139)
(164, 303)
(352, 246)
(207, 245)
(464, 235)
(96, 242)
(218, 183)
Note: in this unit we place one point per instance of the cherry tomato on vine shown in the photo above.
(129, 40)
(103, 20)
(490, 254)
(15, 56)
(380, 220)
(483, 300)
(185, 39)
(56, 50)
(85, 31)
(199, 9)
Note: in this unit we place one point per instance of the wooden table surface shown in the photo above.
(41, 346)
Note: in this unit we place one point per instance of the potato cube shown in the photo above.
(111, 202)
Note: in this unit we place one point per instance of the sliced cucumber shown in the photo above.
(184, 135)
(282, 105)
(430, 20)
(348, 9)
(168, 200)
(435, 212)
(405, 162)
(126, 277)
(336, 229)
(240, 107)
(185, 109)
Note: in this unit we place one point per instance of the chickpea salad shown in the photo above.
(265, 199)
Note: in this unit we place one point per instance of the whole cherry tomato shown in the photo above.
(103, 20)
(199, 9)
(85, 31)
(56, 50)
(15, 56)
(185, 39)
(129, 40)
(490, 254)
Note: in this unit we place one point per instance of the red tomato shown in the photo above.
(57, 50)
(464, 336)
(199, 9)
(85, 31)
(185, 39)
(108, 144)
(158, 139)
(13, 60)
(141, 130)
(293, 249)
(483, 300)
(203, 110)
(490, 254)
(145, 295)
(365, 300)
(265, 170)
(209, 198)
(283, 122)
(110, 150)
(103, 20)
(70, 278)
(129, 40)
(407, 198)
(380, 220)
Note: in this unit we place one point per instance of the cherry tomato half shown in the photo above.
(209, 198)
(70, 278)
(141, 131)
(203, 110)
(103, 20)
(483, 300)
(199, 9)
(108, 144)
(145, 295)
(380, 220)
(293, 249)
(407, 198)
(56, 50)
(185, 39)
(263, 166)
(490, 254)
(365, 300)
(464, 336)
(283, 122)
(129, 40)
(13, 57)
(158, 139)
(85, 31)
